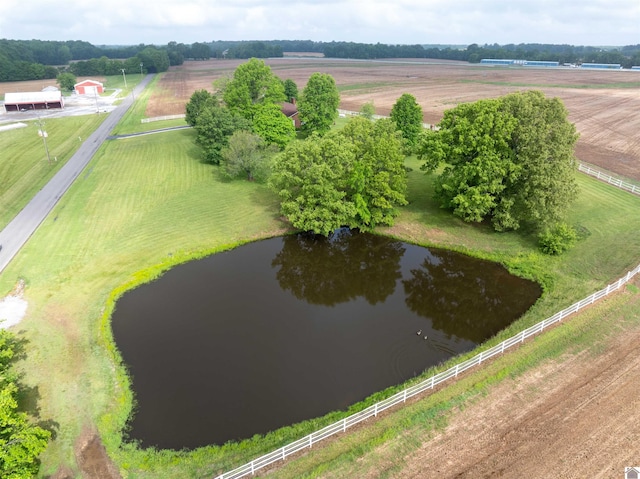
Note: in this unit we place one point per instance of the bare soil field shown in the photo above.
(604, 105)
(570, 419)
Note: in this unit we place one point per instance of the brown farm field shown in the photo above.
(604, 105)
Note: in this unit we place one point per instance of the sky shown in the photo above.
(456, 22)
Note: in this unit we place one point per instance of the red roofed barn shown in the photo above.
(88, 87)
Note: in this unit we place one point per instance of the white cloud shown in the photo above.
(586, 22)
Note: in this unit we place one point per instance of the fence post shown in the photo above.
(431, 382)
(456, 370)
(522, 339)
(284, 456)
(375, 409)
(344, 424)
(480, 361)
(404, 398)
(310, 440)
(502, 348)
(253, 471)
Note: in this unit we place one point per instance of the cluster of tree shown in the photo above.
(627, 56)
(20, 71)
(407, 115)
(509, 161)
(36, 59)
(369, 51)
(241, 49)
(251, 102)
(352, 177)
(153, 60)
(254, 50)
(21, 441)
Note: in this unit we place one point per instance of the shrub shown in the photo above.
(558, 239)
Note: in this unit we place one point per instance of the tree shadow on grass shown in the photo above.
(28, 397)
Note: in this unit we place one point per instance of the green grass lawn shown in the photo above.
(24, 168)
(131, 123)
(148, 202)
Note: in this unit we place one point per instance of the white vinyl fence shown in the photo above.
(430, 383)
(160, 118)
(609, 179)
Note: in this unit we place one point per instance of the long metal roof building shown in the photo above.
(37, 100)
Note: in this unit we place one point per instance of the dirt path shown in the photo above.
(572, 419)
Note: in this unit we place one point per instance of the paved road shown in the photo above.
(16, 234)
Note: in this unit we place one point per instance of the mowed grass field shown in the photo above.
(147, 202)
(24, 167)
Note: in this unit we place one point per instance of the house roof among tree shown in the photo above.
(289, 109)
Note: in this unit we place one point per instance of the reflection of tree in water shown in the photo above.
(340, 268)
(466, 297)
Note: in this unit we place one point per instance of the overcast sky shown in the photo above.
(127, 22)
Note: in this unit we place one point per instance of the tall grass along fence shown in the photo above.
(609, 179)
(430, 383)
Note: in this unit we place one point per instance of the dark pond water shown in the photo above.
(287, 329)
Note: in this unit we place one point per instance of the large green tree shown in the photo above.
(509, 160)
(273, 126)
(21, 442)
(247, 155)
(155, 60)
(318, 104)
(368, 110)
(214, 125)
(309, 177)
(354, 177)
(377, 177)
(290, 89)
(252, 85)
(66, 80)
(407, 115)
(200, 100)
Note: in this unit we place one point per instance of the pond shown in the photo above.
(287, 329)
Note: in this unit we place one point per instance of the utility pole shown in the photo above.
(43, 134)
(141, 70)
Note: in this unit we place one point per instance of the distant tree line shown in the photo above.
(38, 59)
(627, 56)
